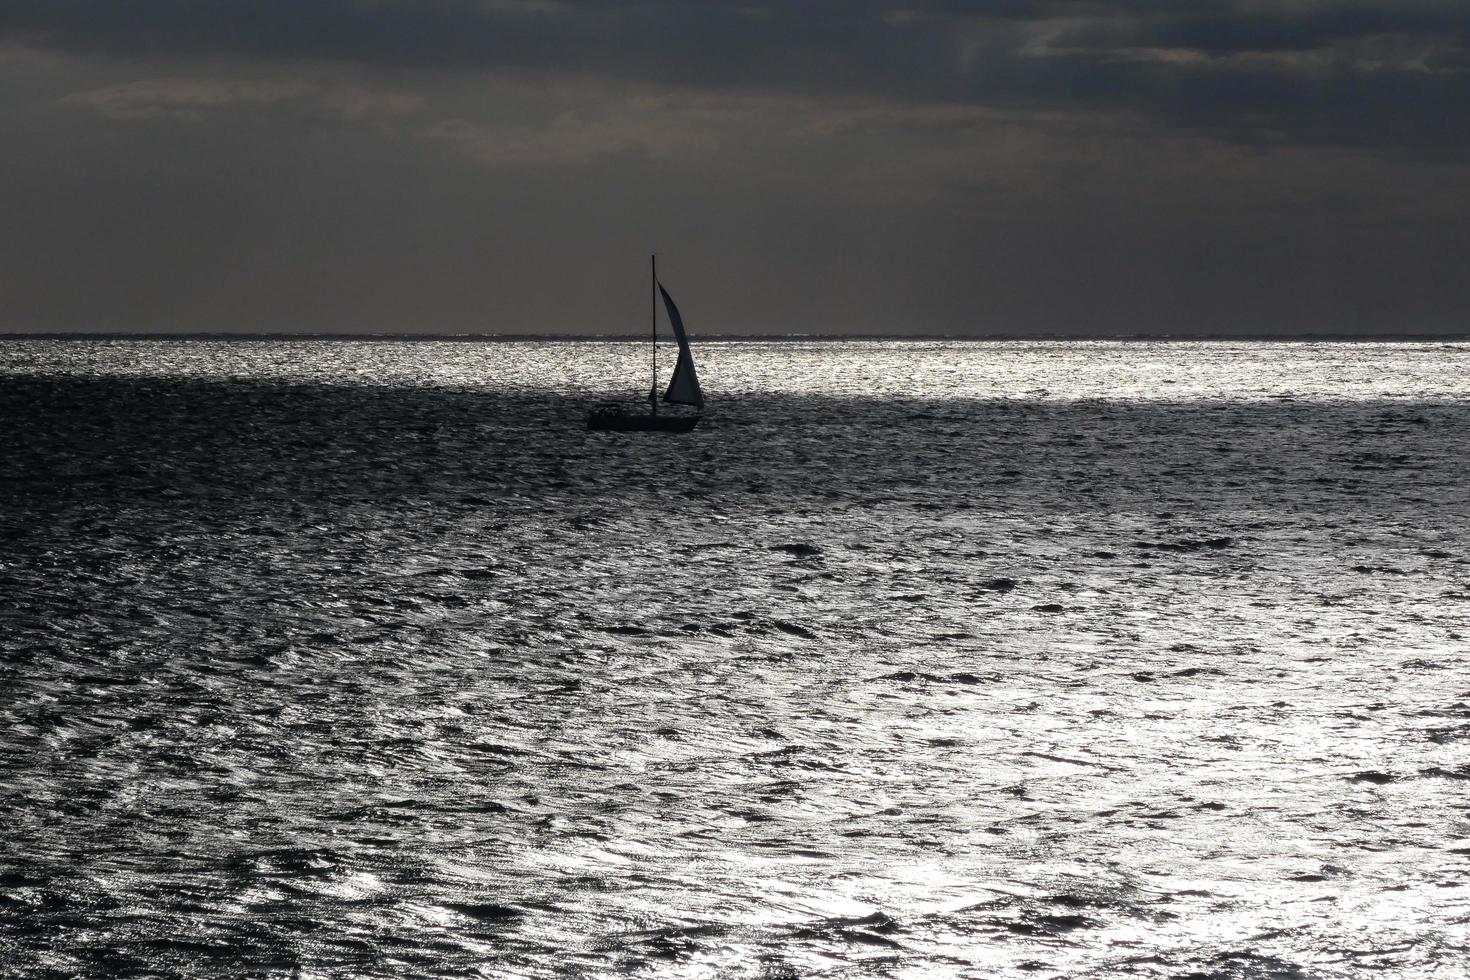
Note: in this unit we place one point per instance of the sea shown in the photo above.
(364, 658)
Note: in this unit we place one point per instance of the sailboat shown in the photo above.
(683, 387)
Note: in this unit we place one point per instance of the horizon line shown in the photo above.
(243, 335)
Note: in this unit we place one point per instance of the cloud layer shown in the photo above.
(1389, 74)
(950, 166)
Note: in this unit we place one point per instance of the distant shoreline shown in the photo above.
(1407, 338)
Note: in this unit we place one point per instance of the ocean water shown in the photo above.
(365, 659)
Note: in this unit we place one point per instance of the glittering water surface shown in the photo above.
(913, 660)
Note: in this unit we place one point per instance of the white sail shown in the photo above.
(684, 385)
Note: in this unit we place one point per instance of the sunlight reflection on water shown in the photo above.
(915, 659)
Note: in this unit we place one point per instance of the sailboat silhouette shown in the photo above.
(683, 386)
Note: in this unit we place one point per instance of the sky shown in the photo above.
(980, 168)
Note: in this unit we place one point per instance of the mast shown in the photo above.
(653, 328)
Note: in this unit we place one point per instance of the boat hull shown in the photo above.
(612, 422)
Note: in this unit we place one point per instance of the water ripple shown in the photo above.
(913, 660)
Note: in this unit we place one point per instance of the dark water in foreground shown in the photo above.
(914, 660)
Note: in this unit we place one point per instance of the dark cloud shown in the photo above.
(1071, 166)
(1387, 73)
(814, 39)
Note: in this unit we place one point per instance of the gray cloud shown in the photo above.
(1023, 166)
(191, 99)
(1390, 74)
